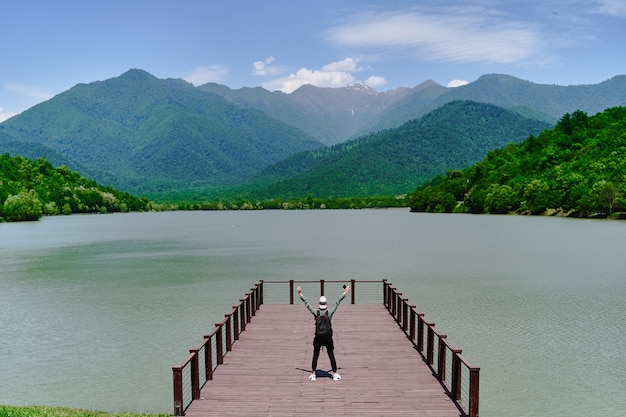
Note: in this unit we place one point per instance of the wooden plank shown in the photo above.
(266, 373)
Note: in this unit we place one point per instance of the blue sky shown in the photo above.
(49, 46)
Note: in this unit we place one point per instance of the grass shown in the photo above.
(41, 411)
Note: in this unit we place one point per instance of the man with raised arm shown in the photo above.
(323, 331)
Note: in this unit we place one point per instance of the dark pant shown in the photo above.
(318, 342)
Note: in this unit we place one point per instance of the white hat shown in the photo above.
(323, 303)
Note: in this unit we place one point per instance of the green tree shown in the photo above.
(536, 196)
(51, 209)
(475, 200)
(606, 193)
(499, 199)
(24, 206)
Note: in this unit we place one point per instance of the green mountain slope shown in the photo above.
(576, 168)
(145, 135)
(395, 161)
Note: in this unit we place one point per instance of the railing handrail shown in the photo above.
(418, 329)
(413, 324)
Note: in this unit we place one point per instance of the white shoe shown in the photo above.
(312, 377)
(336, 376)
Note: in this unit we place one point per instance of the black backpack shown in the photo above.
(322, 325)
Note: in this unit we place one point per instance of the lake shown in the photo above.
(95, 309)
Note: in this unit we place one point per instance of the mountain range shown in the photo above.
(333, 115)
(150, 136)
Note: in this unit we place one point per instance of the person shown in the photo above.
(320, 341)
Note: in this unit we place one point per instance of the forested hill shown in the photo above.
(142, 134)
(29, 189)
(578, 168)
(395, 161)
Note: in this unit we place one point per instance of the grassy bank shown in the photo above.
(40, 411)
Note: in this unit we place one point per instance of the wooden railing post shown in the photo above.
(219, 344)
(261, 290)
(353, 290)
(441, 358)
(208, 357)
(248, 306)
(405, 314)
(398, 304)
(290, 291)
(430, 348)
(455, 384)
(236, 322)
(398, 307)
(386, 293)
(473, 391)
(412, 323)
(420, 332)
(252, 296)
(195, 374)
(257, 297)
(385, 298)
(229, 340)
(244, 314)
(179, 408)
(321, 287)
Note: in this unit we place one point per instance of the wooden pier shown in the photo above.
(391, 360)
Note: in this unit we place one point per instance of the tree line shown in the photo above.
(30, 189)
(577, 169)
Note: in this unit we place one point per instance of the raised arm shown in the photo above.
(305, 301)
(339, 300)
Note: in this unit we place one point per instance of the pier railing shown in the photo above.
(460, 378)
(455, 373)
(190, 376)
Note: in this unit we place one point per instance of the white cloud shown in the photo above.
(375, 81)
(459, 34)
(457, 83)
(333, 75)
(203, 75)
(263, 68)
(347, 65)
(5, 116)
(304, 76)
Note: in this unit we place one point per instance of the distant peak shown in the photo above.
(426, 85)
(501, 78)
(429, 83)
(361, 88)
(136, 74)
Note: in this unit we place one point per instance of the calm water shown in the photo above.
(95, 310)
